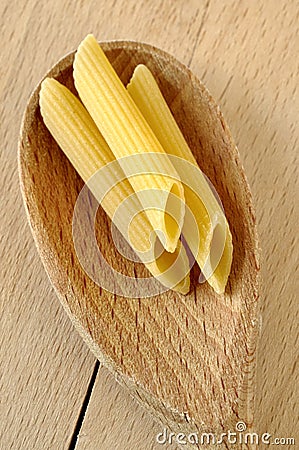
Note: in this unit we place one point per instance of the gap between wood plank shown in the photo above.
(84, 407)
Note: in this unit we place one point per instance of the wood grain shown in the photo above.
(245, 52)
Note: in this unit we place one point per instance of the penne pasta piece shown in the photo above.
(127, 133)
(213, 228)
(79, 138)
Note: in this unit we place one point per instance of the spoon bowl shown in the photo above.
(189, 359)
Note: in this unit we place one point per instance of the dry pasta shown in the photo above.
(212, 225)
(127, 133)
(79, 138)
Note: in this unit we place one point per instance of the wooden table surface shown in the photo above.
(53, 394)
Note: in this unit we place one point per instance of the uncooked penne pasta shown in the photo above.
(214, 253)
(127, 133)
(79, 138)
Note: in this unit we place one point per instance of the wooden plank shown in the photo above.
(117, 421)
(45, 367)
(254, 75)
(245, 52)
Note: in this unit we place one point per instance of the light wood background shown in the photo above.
(246, 52)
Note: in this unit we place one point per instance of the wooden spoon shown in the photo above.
(188, 359)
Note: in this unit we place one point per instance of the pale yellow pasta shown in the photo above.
(79, 138)
(127, 133)
(212, 225)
